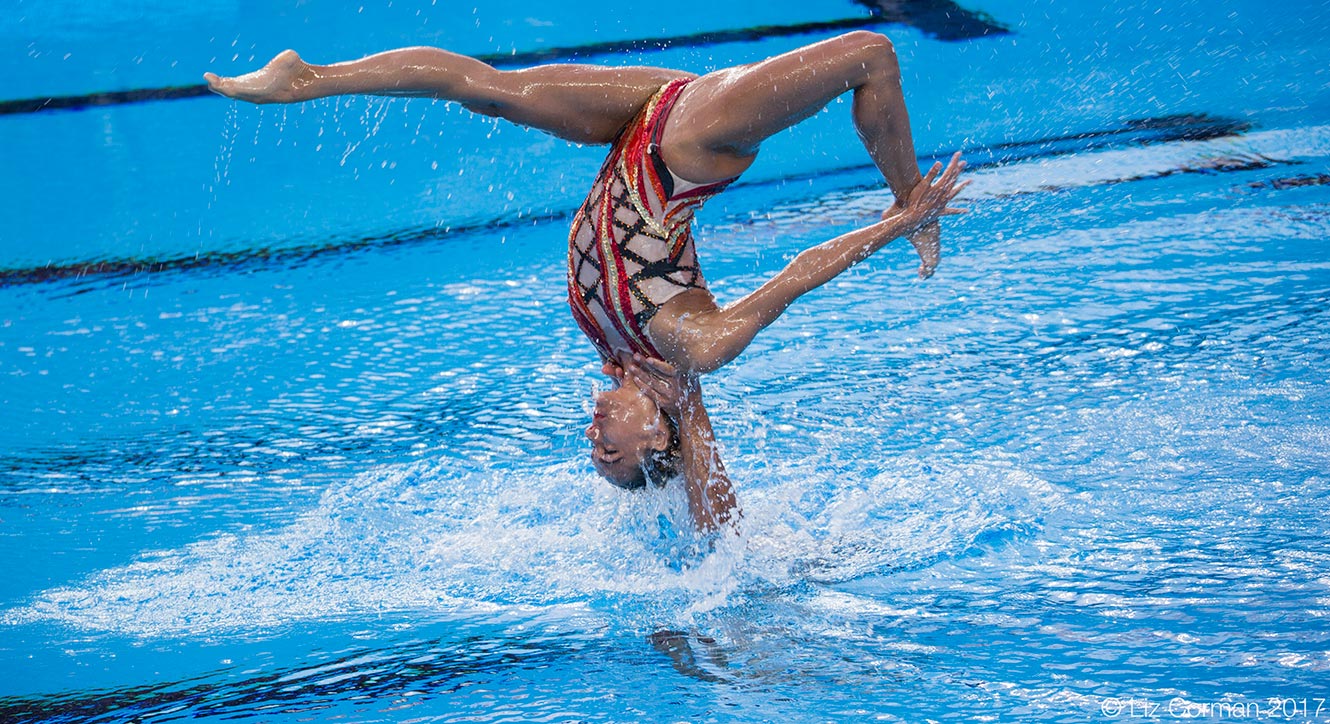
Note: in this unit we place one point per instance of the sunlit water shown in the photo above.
(1078, 474)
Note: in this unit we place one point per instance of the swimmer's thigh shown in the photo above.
(715, 128)
(579, 103)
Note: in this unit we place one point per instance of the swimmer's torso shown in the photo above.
(630, 249)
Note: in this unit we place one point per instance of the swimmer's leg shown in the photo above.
(580, 103)
(721, 118)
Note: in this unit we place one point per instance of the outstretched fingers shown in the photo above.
(951, 196)
(933, 171)
(951, 173)
(936, 191)
(927, 203)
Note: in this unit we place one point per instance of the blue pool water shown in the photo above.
(293, 403)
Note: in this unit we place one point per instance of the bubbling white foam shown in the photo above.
(438, 538)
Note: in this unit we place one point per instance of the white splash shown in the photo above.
(434, 538)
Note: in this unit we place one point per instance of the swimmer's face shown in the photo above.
(626, 427)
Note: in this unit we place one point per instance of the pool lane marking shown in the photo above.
(1189, 127)
(1143, 131)
(933, 22)
(231, 260)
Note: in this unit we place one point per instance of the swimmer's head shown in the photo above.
(632, 441)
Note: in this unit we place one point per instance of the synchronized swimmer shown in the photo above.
(676, 139)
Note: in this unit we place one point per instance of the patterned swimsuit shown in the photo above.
(630, 249)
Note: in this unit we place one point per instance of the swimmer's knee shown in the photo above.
(483, 89)
(876, 52)
(870, 42)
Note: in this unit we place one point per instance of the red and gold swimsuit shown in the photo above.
(630, 249)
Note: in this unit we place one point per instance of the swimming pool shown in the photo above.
(294, 402)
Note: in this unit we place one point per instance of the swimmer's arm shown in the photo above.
(705, 340)
(711, 498)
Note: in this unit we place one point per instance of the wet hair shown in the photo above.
(659, 465)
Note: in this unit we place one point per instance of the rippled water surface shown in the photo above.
(304, 440)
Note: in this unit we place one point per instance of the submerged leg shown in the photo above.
(721, 118)
(581, 103)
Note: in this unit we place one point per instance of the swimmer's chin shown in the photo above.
(629, 485)
(627, 479)
(655, 473)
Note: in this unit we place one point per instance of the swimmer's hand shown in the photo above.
(927, 202)
(612, 368)
(671, 390)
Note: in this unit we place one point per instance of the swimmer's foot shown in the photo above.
(927, 241)
(285, 79)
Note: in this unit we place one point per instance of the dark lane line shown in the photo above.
(108, 98)
(1136, 132)
(940, 19)
(234, 260)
